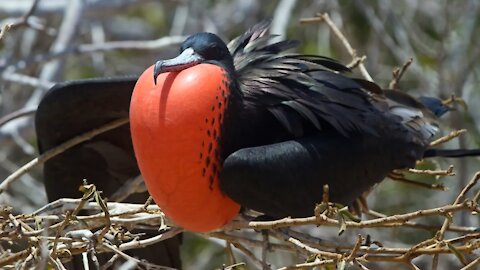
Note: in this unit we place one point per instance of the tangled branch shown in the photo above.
(107, 226)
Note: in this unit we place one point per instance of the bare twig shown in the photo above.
(249, 254)
(27, 80)
(281, 17)
(472, 264)
(398, 73)
(447, 172)
(110, 262)
(14, 257)
(402, 179)
(326, 18)
(299, 244)
(60, 149)
(20, 7)
(155, 44)
(448, 137)
(355, 248)
(231, 257)
(67, 33)
(356, 61)
(131, 186)
(4, 30)
(17, 114)
(390, 221)
(22, 21)
(137, 261)
(265, 249)
(448, 220)
(454, 99)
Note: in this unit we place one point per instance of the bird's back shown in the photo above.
(324, 127)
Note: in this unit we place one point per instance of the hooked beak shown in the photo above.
(188, 58)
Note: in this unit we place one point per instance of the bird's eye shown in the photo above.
(212, 48)
(211, 52)
(216, 51)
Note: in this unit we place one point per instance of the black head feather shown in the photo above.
(197, 48)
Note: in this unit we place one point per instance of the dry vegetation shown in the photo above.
(436, 233)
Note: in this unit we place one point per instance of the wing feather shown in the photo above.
(313, 90)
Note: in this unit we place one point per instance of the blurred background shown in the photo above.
(74, 39)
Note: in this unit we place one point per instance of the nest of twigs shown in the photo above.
(58, 231)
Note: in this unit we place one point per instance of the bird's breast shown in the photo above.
(175, 129)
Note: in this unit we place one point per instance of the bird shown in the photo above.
(251, 125)
(71, 108)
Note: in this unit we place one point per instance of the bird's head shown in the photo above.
(196, 49)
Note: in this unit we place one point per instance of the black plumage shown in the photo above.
(293, 123)
(296, 122)
(72, 108)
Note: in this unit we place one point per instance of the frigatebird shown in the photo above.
(251, 124)
(245, 124)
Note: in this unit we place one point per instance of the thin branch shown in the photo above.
(135, 244)
(355, 248)
(448, 137)
(459, 198)
(60, 149)
(356, 61)
(110, 262)
(17, 114)
(228, 250)
(155, 44)
(18, 256)
(265, 249)
(249, 254)
(404, 180)
(22, 21)
(249, 242)
(390, 221)
(19, 7)
(137, 261)
(281, 17)
(472, 264)
(448, 220)
(447, 172)
(67, 33)
(131, 186)
(326, 18)
(398, 74)
(4, 30)
(307, 248)
(27, 80)
(454, 99)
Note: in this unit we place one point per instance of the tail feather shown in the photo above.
(453, 153)
(435, 105)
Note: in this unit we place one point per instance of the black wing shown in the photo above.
(289, 85)
(287, 178)
(107, 160)
(360, 133)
